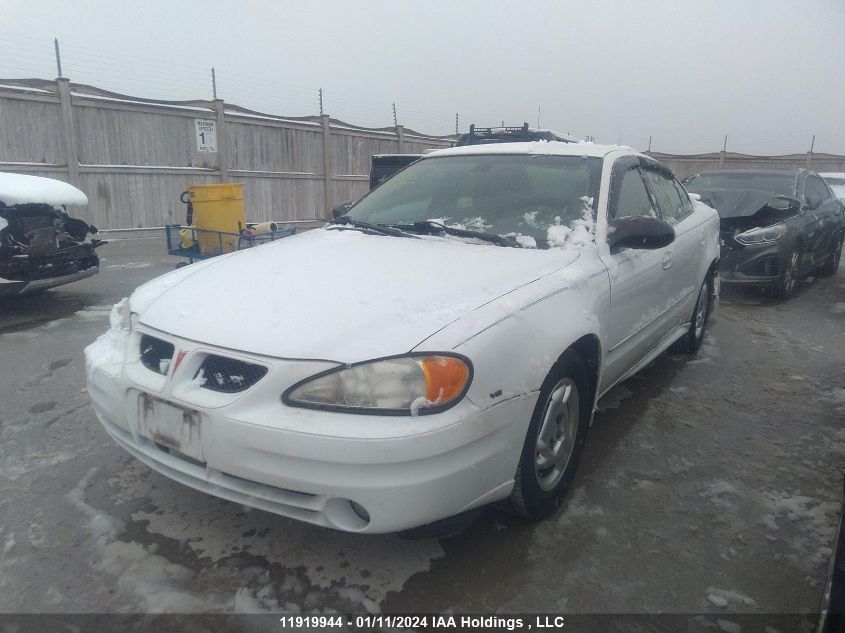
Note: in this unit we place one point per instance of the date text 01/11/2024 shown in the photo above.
(542, 622)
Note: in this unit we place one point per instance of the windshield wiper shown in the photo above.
(430, 227)
(377, 229)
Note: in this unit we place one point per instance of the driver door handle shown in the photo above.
(667, 261)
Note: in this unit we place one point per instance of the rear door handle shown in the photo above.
(667, 261)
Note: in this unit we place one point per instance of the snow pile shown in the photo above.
(108, 350)
(199, 380)
(722, 494)
(816, 518)
(21, 189)
(724, 597)
(583, 230)
(577, 508)
(525, 241)
(476, 223)
(356, 596)
(138, 569)
(423, 403)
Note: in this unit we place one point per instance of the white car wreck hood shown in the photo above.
(337, 294)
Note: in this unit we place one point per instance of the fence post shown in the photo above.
(400, 136)
(222, 158)
(327, 166)
(68, 130)
(810, 153)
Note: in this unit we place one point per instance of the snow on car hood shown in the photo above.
(337, 294)
(22, 189)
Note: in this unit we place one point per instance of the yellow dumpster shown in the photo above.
(217, 208)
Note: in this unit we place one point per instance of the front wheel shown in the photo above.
(789, 281)
(554, 440)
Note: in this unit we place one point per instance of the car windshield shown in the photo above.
(535, 200)
(776, 184)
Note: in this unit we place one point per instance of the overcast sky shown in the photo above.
(767, 73)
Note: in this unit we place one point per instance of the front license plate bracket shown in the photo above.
(170, 426)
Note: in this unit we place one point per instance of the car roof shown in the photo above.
(537, 148)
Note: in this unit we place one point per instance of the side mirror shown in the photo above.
(341, 209)
(639, 232)
(695, 196)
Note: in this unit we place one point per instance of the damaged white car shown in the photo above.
(41, 246)
(439, 347)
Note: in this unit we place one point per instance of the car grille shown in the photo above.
(156, 354)
(228, 375)
(767, 267)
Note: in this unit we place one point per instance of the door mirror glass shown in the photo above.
(640, 232)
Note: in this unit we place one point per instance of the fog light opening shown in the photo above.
(346, 514)
(360, 511)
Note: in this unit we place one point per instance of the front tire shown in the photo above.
(789, 280)
(554, 441)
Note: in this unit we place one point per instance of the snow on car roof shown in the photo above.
(23, 189)
(555, 148)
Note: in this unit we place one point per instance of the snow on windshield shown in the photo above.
(537, 201)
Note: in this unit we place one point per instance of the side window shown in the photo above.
(685, 201)
(633, 199)
(815, 187)
(668, 198)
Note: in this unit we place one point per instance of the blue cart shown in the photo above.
(196, 244)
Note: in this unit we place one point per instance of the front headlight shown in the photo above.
(403, 385)
(761, 236)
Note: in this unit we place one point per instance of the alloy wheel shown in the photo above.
(702, 305)
(790, 276)
(556, 438)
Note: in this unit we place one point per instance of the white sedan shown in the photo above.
(439, 347)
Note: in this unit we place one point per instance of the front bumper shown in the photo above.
(318, 467)
(10, 287)
(753, 265)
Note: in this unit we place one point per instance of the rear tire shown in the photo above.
(691, 341)
(554, 441)
(832, 264)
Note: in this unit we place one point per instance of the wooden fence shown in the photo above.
(134, 157)
(687, 164)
